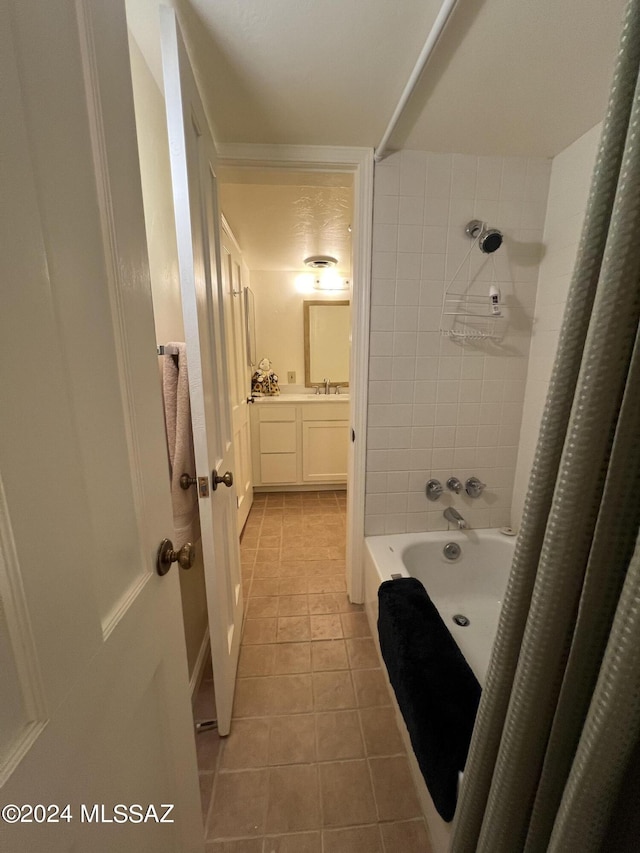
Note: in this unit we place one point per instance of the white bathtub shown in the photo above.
(473, 585)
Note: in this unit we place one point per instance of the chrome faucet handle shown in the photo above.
(434, 490)
(340, 387)
(474, 487)
(454, 485)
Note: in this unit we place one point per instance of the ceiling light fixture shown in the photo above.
(320, 262)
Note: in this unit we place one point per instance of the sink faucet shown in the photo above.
(452, 515)
(327, 386)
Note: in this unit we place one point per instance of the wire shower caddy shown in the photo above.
(467, 316)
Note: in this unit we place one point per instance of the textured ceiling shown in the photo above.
(507, 77)
(280, 218)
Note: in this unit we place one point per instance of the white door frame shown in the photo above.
(359, 162)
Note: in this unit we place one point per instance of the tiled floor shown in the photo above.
(314, 762)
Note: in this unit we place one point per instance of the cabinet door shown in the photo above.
(324, 451)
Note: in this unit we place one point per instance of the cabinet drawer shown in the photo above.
(278, 437)
(325, 412)
(276, 412)
(278, 468)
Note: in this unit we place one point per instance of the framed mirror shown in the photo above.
(327, 326)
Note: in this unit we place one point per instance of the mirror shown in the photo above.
(327, 327)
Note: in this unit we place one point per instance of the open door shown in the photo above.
(236, 294)
(199, 254)
(94, 710)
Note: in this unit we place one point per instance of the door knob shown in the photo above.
(185, 557)
(227, 479)
(186, 481)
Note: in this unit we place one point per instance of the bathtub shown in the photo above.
(472, 585)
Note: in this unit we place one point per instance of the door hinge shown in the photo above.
(353, 434)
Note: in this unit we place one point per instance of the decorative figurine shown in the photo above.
(264, 382)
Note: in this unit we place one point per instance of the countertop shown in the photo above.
(303, 398)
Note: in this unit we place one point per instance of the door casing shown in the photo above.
(358, 162)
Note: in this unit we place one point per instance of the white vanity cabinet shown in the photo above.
(300, 442)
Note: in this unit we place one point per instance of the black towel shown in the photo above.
(436, 690)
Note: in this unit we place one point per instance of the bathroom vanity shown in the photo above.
(300, 440)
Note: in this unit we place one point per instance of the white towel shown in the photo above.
(177, 413)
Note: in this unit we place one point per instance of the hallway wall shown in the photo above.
(437, 408)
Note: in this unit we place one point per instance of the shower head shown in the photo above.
(489, 239)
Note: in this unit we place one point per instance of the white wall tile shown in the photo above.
(385, 209)
(409, 238)
(411, 210)
(436, 405)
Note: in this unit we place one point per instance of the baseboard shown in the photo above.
(300, 487)
(198, 669)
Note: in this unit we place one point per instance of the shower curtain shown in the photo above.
(554, 763)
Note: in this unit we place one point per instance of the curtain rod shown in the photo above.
(432, 39)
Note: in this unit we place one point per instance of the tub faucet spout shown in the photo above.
(452, 515)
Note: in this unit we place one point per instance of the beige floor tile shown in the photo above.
(205, 703)
(208, 746)
(326, 627)
(328, 655)
(318, 568)
(243, 845)
(270, 540)
(331, 583)
(357, 839)
(258, 607)
(355, 625)
(291, 658)
(292, 739)
(292, 586)
(252, 697)
(290, 694)
(322, 603)
(264, 586)
(338, 735)
(293, 629)
(362, 653)
(256, 660)
(246, 746)
(371, 688)
(332, 691)
(268, 555)
(259, 631)
(206, 781)
(301, 842)
(291, 568)
(381, 735)
(393, 787)
(239, 804)
(341, 805)
(408, 836)
(293, 605)
(276, 694)
(270, 569)
(293, 803)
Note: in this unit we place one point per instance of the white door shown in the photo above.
(198, 233)
(235, 290)
(94, 702)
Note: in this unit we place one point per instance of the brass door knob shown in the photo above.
(186, 481)
(227, 479)
(185, 557)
